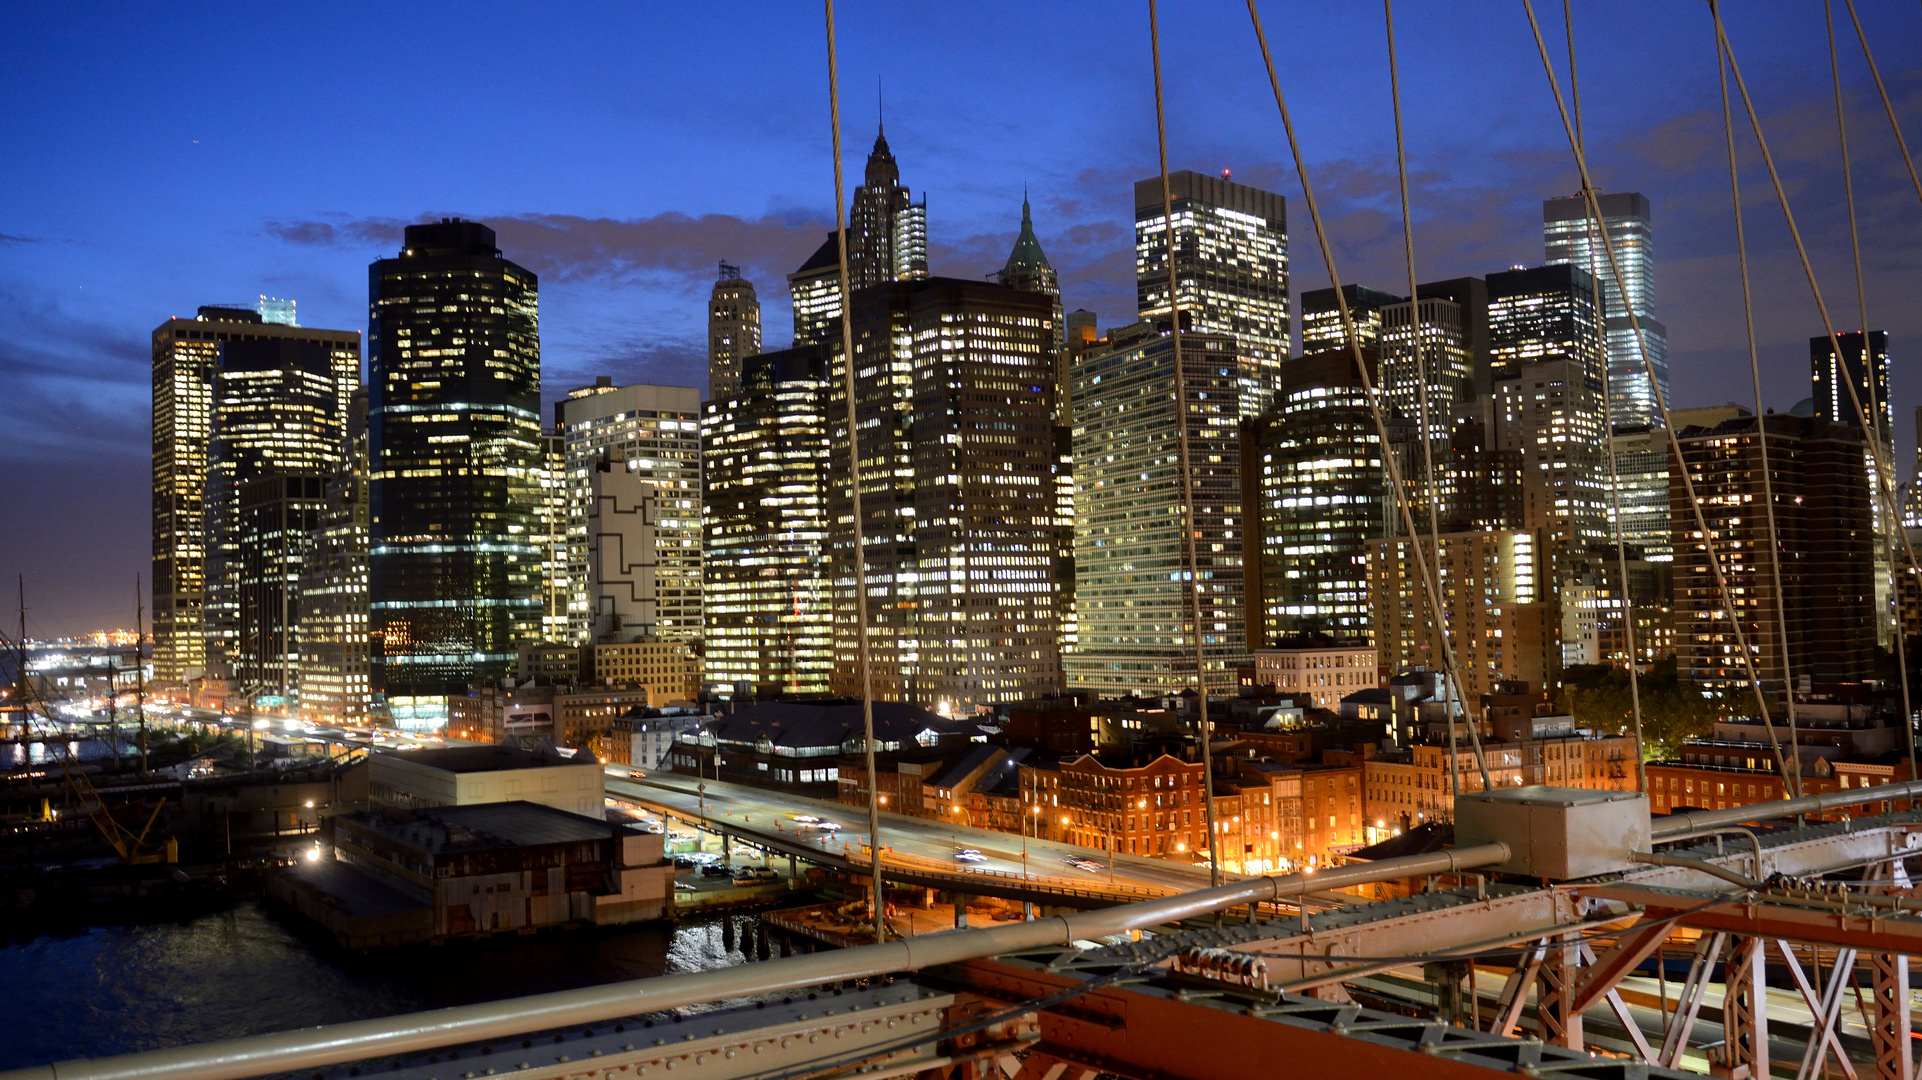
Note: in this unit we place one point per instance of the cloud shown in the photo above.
(670, 248)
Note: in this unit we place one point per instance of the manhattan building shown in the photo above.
(333, 624)
(955, 409)
(1498, 618)
(454, 440)
(634, 473)
(186, 354)
(1868, 370)
(1231, 266)
(733, 330)
(1132, 604)
(1315, 492)
(887, 241)
(1822, 518)
(767, 620)
(1568, 236)
(1321, 326)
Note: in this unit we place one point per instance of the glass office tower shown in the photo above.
(454, 433)
(1231, 262)
(1568, 237)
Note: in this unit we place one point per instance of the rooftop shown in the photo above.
(486, 825)
(491, 758)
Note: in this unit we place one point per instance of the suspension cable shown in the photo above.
(1880, 481)
(1625, 594)
(1190, 522)
(1395, 481)
(1896, 527)
(1648, 364)
(1421, 377)
(1793, 783)
(860, 561)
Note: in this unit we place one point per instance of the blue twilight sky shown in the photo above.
(159, 157)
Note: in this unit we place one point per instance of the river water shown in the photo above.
(245, 971)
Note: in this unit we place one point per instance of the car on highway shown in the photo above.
(682, 886)
(969, 855)
(756, 875)
(636, 774)
(807, 819)
(827, 826)
(1089, 865)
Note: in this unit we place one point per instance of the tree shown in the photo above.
(1673, 709)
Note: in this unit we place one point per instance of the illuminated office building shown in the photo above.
(1321, 328)
(1231, 260)
(651, 438)
(277, 417)
(1641, 468)
(1447, 374)
(766, 617)
(1028, 270)
(186, 354)
(454, 437)
(1546, 361)
(955, 407)
(559, 592)
(733, 330)
(332, 639)
(1567, 237)
(1315, 490)
(1132, 606)
(815, 290)
(887, 231)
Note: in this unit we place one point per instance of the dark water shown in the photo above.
(118, 989)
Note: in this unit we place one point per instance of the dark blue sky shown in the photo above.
(158, 158)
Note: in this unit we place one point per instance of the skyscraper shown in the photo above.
(563, 597)
(332, 636)
(764, 451)
(1231, 260)
(651, 438)
(1132, 606)
(454, 436)
(1028, 270)
(1321, 317)
(1546, 363)
(1818, 478)
(1315, 491)
(733, 330)
(1501, 624)
(815, 290)
(958, 494)
(1567, 237)
(1445, 375)
(278, 434)
(1870, 376)
(887, 232)
(186, 354)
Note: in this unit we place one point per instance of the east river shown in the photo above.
(246, 971)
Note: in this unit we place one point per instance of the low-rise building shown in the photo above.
(1317, 670)
(668, 670)
(472, 775)
(406, 876)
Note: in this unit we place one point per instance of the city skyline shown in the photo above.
(621, 265)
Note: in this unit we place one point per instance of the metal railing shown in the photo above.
(310, 1048)
(1708, 820)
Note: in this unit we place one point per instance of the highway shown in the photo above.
(910, 842)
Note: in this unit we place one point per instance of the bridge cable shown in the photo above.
(854, 490)
(1896, 526)
(1190, 523)
(1608, 423)
(1395, 479)
(1794, 782)
(1648, 364)
(1880, 480)
(1450, 679)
